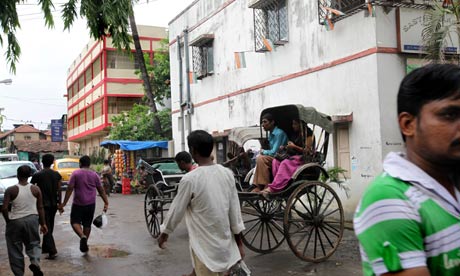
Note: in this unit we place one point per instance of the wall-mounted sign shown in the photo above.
(56, 130)
(411, 24)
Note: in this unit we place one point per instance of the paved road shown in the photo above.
(126, 248)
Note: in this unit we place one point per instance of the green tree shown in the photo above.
(104, 18)
(441, 27)
(144, 74)
(158, 74)
(136, 125)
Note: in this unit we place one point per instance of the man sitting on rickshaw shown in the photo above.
(276, 139)
(299, 144)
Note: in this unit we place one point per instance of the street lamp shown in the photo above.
(7, 81)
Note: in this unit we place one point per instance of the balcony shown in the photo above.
(336, 10)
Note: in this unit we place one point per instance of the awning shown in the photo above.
(135, 145)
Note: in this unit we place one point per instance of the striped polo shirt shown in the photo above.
(406, 219)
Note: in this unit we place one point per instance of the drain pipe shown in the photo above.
(181, 96)
(187, 70)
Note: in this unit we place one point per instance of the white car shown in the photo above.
(8, 171)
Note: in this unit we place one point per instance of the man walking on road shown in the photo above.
(22, 223)
(408, 221)
(49, 182)
(85, 182)
(208, 199)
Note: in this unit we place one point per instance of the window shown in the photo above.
(335, 10)
(270, 23)
(342, 146)
(118, 60)
(203, 56)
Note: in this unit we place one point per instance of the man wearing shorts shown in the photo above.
(85, 182)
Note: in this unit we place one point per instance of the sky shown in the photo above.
(36, 95)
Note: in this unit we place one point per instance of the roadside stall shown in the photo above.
(126, 154)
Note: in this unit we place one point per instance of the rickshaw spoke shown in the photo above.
(331, 229)
(330, 213)
(273, 234)
(261, 235)
(252, 227)
(268, 235)
(309, 203)
(303, 237)
(257, 232)
(304, 206)
(316, 240)
(327, 237)
(322, 199)
(327, 206)
(321, 242)
(251, 220)
(316, 201)
(277, 226)
(308, 241)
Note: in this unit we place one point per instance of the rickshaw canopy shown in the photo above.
(286, 113)
(241, 135)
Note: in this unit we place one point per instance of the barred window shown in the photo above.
(270, 23)
(203, 56)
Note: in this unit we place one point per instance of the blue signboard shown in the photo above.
(56, 130)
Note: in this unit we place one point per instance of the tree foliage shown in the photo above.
(441, 28)
(104, 18)
(137, 124)
(159, 74)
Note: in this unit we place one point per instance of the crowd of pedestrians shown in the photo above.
(36, 205)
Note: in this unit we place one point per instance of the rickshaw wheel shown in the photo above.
(153, 210)
(263, 222)
(313, 221)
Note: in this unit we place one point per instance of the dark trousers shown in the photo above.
(19, 232)
(48, 245)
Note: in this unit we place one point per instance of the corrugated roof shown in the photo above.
(40, 146)
(26, 129)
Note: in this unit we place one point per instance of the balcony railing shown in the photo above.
(335, 10)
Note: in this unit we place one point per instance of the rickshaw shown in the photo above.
(308, 213)
(163, 175)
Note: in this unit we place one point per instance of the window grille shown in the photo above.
(270, 22)
(327, 8)
(203, 56)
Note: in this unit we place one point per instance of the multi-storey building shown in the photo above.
(345, 58)
(102, 83)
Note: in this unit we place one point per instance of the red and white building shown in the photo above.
(102, 83)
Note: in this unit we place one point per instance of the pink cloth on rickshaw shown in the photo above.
(283, 171)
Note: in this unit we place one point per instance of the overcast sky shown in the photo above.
(36, 94)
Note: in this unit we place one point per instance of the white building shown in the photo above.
(351, 72)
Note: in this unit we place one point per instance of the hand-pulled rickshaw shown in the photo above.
(307, 213)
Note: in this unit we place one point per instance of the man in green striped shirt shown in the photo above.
(408, 221)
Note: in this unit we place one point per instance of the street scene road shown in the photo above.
(125, 247)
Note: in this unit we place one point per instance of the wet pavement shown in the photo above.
(125, 247)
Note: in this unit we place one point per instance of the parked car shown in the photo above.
(65, 167)
(8, 171)
(4, 157)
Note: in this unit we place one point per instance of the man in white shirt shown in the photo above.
(208, 199)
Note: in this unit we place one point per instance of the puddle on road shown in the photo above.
(105, 251)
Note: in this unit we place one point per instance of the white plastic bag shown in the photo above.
(101, 221)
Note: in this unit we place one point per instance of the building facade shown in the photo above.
(230, 59)
(102, 83)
